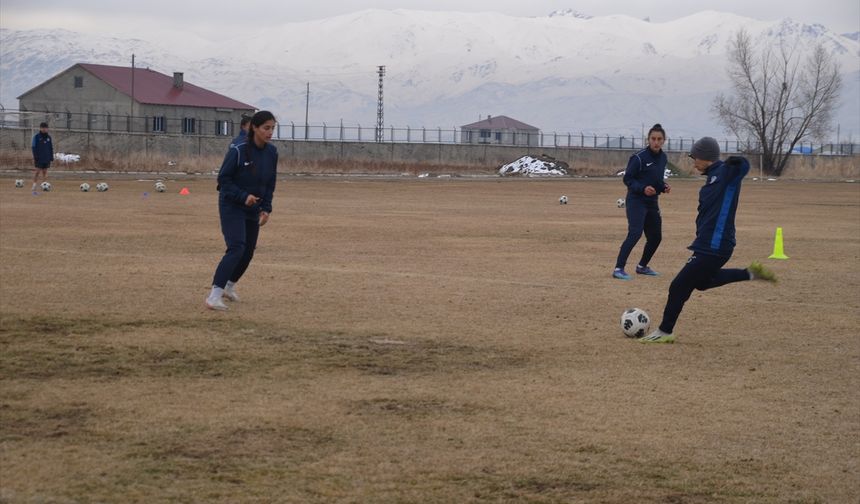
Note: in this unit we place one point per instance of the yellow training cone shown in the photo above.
(778, 253)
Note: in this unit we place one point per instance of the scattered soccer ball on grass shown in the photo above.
(102, 187)
(19, 183)
(85, 187)
(635, 322)
(621, 203)
(46, 186)
(562, 200)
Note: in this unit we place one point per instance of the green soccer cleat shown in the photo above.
(758, 271)
(658, 336)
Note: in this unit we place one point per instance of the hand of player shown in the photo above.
(650, 191)
(264, 218)
(251, 200)
(667, 188)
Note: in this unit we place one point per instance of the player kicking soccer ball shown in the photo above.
(715, 236)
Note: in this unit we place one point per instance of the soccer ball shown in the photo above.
(46, 186)
(635, 322)
(101, 187)
(85, 187)
(19, 183)
(160, 187)
(562, 200)
(621, 203)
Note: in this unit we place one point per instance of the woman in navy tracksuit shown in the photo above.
(246, 183)
(644, 178)
(715, 236)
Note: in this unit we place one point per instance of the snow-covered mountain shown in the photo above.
(565, 72)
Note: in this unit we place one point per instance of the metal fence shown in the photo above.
(357, 133)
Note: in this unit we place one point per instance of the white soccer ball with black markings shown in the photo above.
(562, 200)
(85, 187)
(160, 187)
(635, 322)
(46, 186)
(621, 203)
(19, 183)
(102, 187)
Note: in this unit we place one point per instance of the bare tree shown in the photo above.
(779, 98)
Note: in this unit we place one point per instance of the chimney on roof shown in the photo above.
(177, 80)
(489, 117)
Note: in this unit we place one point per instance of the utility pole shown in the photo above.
(307, 106)
(132, 85)
(380, 124)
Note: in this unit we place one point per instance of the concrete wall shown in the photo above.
(114, 147)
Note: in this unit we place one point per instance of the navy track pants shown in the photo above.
(240, 230)
(702, 272)
(642, 217)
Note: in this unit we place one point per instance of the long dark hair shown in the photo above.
(256, 121)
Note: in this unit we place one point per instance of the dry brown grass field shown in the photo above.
(422, 341)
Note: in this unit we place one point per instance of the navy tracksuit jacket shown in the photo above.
(43, 150)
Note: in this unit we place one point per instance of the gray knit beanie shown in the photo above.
(705, 148)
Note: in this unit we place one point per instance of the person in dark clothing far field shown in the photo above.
(43, 154)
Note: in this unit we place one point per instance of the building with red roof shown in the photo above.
(115, 98)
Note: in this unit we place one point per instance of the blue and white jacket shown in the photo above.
(718, 203)
(645, 168)
(248, 169)
(43, 148)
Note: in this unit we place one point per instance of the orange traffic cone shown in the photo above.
(185, 191)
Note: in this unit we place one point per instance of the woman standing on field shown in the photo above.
(644, 178)
(246, 183)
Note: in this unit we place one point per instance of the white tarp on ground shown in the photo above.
(529, 166)
(67, 158)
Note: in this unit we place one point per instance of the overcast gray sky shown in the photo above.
(209, 18)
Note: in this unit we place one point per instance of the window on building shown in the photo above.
(222, 128)
(498, 137)
(158, 124)
(79, 81)
(485, 133)
(188, 125)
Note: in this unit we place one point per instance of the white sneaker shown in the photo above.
(216, 304)
(231, 294)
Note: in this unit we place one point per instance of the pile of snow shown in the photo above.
(67, 158)
(529, 166)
